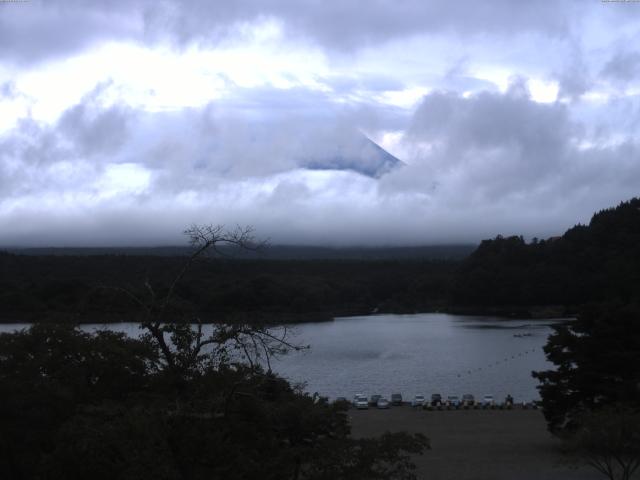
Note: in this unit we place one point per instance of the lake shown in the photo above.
(411, 354)
(420, 354)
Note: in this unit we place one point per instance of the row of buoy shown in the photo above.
(496, 363)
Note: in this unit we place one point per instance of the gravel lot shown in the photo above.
(477, 444)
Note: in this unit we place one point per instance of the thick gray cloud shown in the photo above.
(493, 151)
(42, 28)
(94, 130)
(623, 67)
(347, 24)
(506, 140)
(574, 79)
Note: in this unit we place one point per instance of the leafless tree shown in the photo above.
(185, 347)
(609, 441)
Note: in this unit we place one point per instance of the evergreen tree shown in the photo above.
(597, 363)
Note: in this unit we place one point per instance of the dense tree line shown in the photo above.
(589, 263)
(87, 288)
(274, 252)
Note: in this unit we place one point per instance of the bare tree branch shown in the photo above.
(185, 348)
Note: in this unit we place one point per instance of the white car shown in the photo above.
(488, 401)
(361, 402)
(418, 401)
(383, 403)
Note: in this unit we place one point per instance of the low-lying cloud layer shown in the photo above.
(108, 136)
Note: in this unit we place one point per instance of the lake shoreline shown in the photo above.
(532, 312)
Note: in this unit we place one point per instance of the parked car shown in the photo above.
(468, 400)
(436, 399)
(453, 401)
(488, 401)
(417, 401)
(361, 402)
(383, 403)
(357, 397)
(373, 401)
(396, 399)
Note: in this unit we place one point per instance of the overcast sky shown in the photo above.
(124, 121)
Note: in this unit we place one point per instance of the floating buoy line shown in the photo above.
(496, 363)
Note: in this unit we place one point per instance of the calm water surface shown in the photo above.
(420, 354)
(411, 354)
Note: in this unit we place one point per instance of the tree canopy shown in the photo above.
(589, 263)
(609, 440)
(79, 405)
(597, 363)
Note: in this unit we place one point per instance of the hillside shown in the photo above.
(589, 263)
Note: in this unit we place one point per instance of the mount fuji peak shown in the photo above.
(358, 154)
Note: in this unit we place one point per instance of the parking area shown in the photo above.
(476, 444)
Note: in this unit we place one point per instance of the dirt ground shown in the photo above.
(476, 444)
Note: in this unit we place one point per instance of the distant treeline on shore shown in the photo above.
(96, 288)
(273, 252)
(599, 262)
